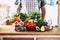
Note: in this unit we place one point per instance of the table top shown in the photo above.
(9, 30)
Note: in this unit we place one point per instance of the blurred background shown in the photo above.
(8, 8)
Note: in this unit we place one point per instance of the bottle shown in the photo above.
(50, 24)
(51, 2)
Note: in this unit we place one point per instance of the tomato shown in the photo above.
(27, 24)
(30, 25)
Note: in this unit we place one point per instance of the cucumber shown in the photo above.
(42, 28)
(37, 28)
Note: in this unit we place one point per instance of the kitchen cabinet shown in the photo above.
(18, 39)
(31, 39)
(48, 38)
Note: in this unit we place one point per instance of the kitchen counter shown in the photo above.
(8, 33)
(9, 30)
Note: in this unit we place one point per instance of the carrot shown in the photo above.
(17, 19)
(27, 19)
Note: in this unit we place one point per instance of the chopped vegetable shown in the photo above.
(42, 28)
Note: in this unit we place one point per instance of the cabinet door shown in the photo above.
(48, 38)
(18, 39)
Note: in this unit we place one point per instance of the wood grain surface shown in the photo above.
(5, 30)
(18, 39)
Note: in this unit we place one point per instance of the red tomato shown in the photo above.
(34, 24)
(30, 25)
(27, 24)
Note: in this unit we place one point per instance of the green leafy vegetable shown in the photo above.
(16, 14)
(23, 16)
(40, 22)
(35, 15)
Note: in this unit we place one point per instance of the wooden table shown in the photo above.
(9, 32)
